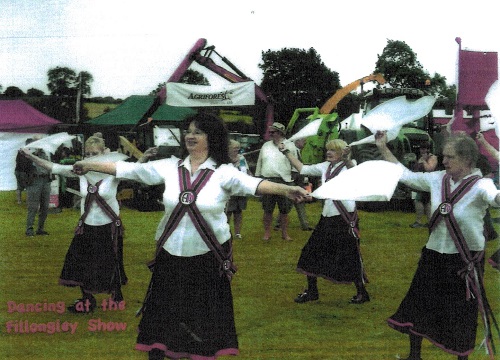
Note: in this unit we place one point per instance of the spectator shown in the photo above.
(272, 165)
(426, 162)
(38, 196)
(237, 203)
(24, 167)
(302, 181)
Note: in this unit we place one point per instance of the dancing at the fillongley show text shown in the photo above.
(28, 325)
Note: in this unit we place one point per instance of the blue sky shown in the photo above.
(131, 46)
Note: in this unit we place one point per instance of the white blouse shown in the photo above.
(211, 200)
(107, 190)
(469, 211)
(329, 209)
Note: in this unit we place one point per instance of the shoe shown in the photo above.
(305, 297)
(238, 236)
(360, 299)
(30, 232)
(416, 225)
(42, 232)
(83, 307)
(288, 238)
(308, 228)
(266, 238)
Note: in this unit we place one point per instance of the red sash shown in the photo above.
(471, 272)
(187, 203)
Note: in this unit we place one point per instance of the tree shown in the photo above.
(34, 92)
(194, 77)
(400, 67)
(68, 88)
(62, 81)
(83, 81)
(191, 76)
(296, 78)
(13, 92)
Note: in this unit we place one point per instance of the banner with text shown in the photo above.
(237, 94)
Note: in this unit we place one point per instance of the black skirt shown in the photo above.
(332, 252)
(436, 307)
(189, 312)
(92, 263)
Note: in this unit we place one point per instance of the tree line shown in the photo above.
(293, 78)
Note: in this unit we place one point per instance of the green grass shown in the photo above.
(269, 324)
(96, 109)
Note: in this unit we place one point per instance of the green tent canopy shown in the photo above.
(135, 106)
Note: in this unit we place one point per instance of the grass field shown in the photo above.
(269, 324)
(96, 109)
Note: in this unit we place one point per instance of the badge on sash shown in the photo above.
(445, 208)
(92, 189)
(187, 197)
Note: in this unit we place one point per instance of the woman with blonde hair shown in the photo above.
(94, 260)
(332, 252)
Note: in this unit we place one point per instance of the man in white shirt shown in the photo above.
(274, 166)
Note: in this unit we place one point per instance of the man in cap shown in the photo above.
(273, 165)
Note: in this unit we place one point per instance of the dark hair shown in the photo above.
(217, 136)
(465, 147)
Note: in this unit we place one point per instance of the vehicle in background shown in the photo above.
(405, 146)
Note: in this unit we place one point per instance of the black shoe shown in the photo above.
(360, 298)
(30, 232)
(83, 307)
(117, 296)
(42, 232)
(306, 296)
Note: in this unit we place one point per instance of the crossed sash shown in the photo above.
(187, 203)
(350, 218)
(116, 225)
(471, 273)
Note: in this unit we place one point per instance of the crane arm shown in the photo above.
(332, 102)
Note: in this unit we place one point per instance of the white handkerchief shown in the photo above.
(50, 143)
(109, 157)
(393, 114)
(373, 180)
(310, 129)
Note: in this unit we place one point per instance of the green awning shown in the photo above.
(134, 107)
